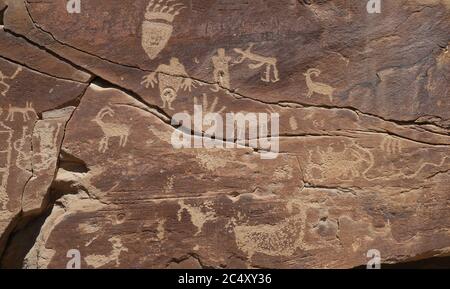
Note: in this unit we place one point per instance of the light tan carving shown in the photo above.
(271, 73)
(157, 27)
(46, 152)
(197, 216)
(24, 111)
(4, 77)
(171, 79)
(110, 129)
(23, 149)
(221, 73)
(317, 87)
(6, 134)
(97, 261)
(391, 145)
(352, 162)
(207, 109)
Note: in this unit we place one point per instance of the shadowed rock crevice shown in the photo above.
(27, 228)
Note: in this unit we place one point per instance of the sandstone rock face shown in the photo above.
(90, 103)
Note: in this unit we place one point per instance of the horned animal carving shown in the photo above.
(110, 129)
(317, 87)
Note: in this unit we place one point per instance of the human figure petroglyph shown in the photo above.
(171, 79)
(221, 73)
(6, 134)
(271, 73)
(157, 27)
(23, 148)
(4, 77)
(47, 149)
(110, 129)
(317, 87)
(24, 111)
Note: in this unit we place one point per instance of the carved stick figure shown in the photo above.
(269, 62)
(221, 71)
(3, 77)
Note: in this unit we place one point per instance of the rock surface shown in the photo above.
(86, 153)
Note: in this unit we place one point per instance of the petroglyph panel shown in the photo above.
(86, 133)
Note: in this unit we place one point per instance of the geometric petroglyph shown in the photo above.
(24, 111)
(6, 86)
(171, 79)
(317, 87)
(271, 73)
(391, 145)
(110, 129)
(6, 134)
(157, 27)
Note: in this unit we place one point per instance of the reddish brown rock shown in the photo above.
(364, 143)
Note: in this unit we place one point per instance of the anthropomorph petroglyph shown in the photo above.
(171, 79)
(221, 72)
(110, 129)
(46, 148)
(317, 87)
(23, 148)
(3, 85)
(271, 73)
(5, 162)
(157, 27)
(24, 111)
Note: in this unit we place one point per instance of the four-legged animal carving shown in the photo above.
(22, 110)
(110, 129)
(269, 62)
(317, 87)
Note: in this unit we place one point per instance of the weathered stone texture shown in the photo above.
(87, 162)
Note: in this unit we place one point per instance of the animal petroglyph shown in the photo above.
(157, 27)
(6, 134)
(3, 77)
(317, 87)
(221, 72)
(110, 129)
(198, 217)
(171, 79)
(271, 73)
(97, 261)
(352, 162)
(280, 239)
(24, 111)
